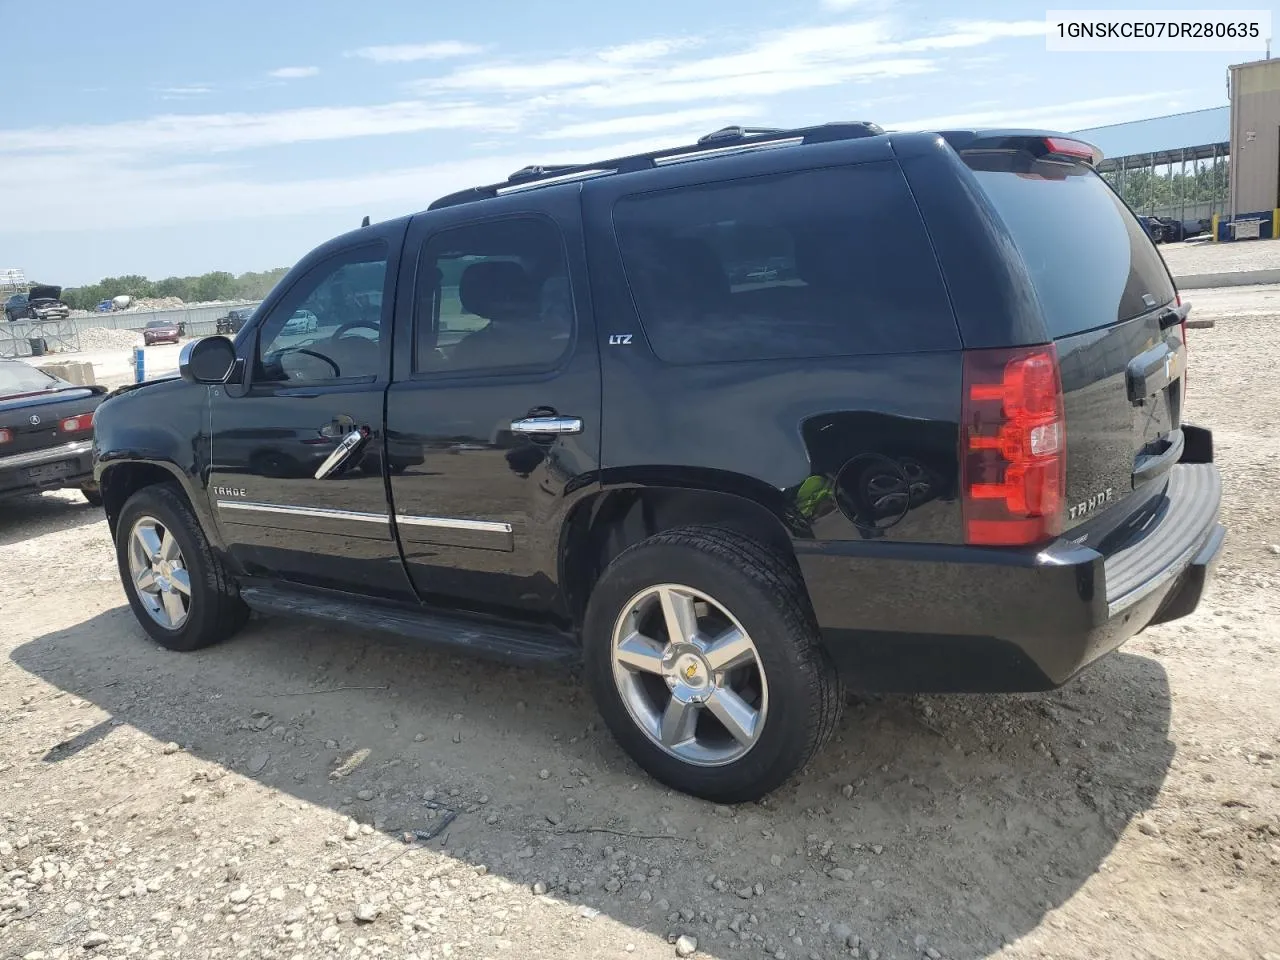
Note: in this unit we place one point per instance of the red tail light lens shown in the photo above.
(76, 424)
(1013, 446)
(5, 434)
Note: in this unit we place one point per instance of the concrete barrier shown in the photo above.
(78, 372)
(1233, 278)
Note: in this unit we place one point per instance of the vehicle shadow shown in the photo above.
(963, 819)
(23, 518)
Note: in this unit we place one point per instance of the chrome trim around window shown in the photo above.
(453, 523)
(33, 458)
(318, 513)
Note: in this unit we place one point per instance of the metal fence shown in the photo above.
(26, 338)
(190, 316)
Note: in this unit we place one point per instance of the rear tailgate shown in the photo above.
(1112, 311)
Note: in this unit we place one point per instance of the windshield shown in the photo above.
(1090, 260)
(16, 377)
(152, 324)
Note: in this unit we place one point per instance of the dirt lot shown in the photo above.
(252, 800)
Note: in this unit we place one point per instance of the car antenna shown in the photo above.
(365, 221)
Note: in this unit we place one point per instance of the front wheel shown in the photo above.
(92, 496)
(704, 658)
(178, 588)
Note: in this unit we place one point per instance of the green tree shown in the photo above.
(216, 285)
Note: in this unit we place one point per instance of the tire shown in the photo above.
(92, 496)
(799, 692)
(214, 610)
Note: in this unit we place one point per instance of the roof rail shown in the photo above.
(733, 138)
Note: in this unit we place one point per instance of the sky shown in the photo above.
(164, 138)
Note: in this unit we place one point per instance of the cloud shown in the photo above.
(293, 73)
(653, 122)
(797, 59)
(194, 193)
(188, 92)
(578, 105)
(842, 4)
(523, 78)
(647, 49)
(223, 132)
(1076, 115)
(411, 52)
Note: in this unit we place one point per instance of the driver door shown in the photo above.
(296, 454)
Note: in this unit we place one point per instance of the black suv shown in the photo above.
(738, 424)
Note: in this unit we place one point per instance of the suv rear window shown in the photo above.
(814, 263)
(1091, 262)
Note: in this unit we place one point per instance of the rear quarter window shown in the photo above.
(831, 262)
(1090, 260)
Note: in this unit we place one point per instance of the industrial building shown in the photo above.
(1220, 166)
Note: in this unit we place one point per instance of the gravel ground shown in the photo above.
(304, 792)
(1199, 257)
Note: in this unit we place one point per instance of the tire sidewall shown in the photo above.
(786, 727)
(149, 502)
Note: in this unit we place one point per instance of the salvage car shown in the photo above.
(41, 302)
(932, 446)
(161, 331)
(46, 432)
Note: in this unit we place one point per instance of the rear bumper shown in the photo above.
(931, 618)
(66, 465)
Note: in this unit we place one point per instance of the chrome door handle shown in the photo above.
(341, 453)
(534, 426)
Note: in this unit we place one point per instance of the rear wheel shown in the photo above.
(178, 589)
(704, 658)
(93, 495)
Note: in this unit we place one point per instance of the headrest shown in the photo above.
(689, 271)
(498, 290)
(820, 261)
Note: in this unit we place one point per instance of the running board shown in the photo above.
(489, 639)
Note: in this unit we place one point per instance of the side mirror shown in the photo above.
(207, 360)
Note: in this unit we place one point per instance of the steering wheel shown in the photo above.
(337, 334)
(337, 372)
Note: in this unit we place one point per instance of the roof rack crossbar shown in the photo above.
(733, 138)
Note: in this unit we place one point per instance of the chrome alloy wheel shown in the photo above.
(159, 573)
(689, 675)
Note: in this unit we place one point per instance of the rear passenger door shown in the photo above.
(493, 426)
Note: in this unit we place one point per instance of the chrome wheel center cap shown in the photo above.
(687, 673)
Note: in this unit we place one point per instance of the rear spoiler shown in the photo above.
(1057, 147)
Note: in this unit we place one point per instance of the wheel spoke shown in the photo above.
(679, 721)
(148, 540)
(169, 548)
(145, 580)
(181, 581)
(680, 616)
(173, 607)
(729, 650)
(641, 653)
(738, 717)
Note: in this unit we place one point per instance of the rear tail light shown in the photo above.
(76, 424)
(1013, 446)
(5, 434)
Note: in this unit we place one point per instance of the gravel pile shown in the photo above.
(97, 338)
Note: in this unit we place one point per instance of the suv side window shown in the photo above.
(329, 325)
(493, 296)
(830, 262)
